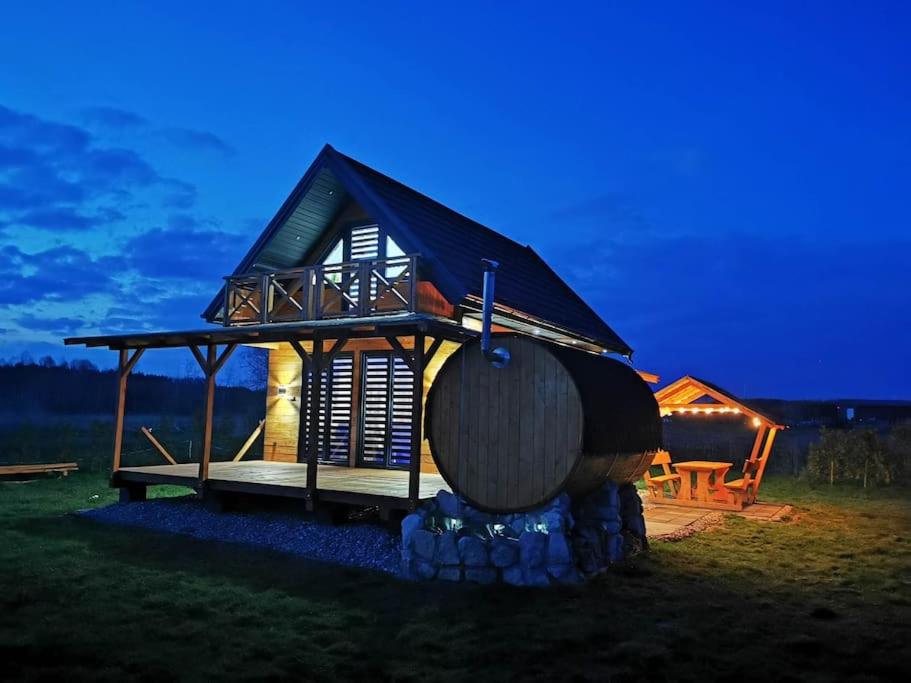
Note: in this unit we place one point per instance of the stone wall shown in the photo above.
(558, 543)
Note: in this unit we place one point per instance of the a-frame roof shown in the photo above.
(450, 245)
(692, 391)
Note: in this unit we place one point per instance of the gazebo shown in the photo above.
(699, 398)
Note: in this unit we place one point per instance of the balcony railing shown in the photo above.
(358, 289)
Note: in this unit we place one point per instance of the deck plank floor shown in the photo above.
(354, 480)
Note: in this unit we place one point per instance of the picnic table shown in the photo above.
(709, 476)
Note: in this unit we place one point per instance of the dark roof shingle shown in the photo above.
(457, 244)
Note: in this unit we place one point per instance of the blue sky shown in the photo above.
(726, 184)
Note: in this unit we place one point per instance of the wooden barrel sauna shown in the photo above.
(554, 419)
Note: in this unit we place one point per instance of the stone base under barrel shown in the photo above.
(562, 542)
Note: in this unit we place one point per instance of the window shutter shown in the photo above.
(387, 411)
(336, 395)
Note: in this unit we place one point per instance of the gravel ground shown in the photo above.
(353, 545)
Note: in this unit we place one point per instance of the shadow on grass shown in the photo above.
(749, 601)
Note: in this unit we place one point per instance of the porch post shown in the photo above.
(210, 408)
(316, 369)
(210, 365)
(417, 397)
(125, 366)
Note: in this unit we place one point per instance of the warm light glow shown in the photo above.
(756, 422)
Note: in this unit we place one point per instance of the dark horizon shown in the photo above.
(724, 186)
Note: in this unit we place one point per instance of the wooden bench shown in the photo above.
(745, 489)
(656, 485)
(63, 468)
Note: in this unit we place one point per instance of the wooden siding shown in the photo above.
(282, 415)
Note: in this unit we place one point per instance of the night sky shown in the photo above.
(728, 187)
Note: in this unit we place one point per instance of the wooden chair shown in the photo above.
(656, 485)
(745, 489)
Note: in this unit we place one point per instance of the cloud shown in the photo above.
(197, 139)
(68, 219)
(63, 172)
(56, 325)
(58, 274)
(179, 194)
(112, 118)
(30, 132)
(182, 252)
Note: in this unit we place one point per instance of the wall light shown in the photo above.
(284, 393)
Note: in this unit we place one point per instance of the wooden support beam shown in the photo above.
(223, 358)
(157, 444)
(131, 363)
(399, 350)
(249, 442)
(764, 460)
(199, 358)
(754, 453)
(125, 366)
(316, 379)
(414, 468)
(333, 352)
(302, 352)
(211, 358)
(432, 349)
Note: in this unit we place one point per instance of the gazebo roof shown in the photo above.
(698, 396)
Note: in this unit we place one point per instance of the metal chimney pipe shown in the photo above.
(498, 357)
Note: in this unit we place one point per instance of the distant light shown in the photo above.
(756, 422)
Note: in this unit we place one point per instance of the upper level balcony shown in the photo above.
(358, 289)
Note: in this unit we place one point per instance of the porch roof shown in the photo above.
(397, 324)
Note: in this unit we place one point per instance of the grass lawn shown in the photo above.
(827, 595)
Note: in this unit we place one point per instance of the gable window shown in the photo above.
(363, 242)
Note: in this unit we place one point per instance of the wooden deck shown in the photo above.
(354, 485)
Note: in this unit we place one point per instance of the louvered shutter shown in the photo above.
(387, 404)
(336, 396)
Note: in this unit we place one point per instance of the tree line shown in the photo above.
(80, 388)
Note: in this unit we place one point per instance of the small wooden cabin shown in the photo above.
(360, 288)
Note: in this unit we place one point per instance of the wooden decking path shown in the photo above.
(288, 479)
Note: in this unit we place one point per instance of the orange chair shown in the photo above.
(745, 489)
(656, 485)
